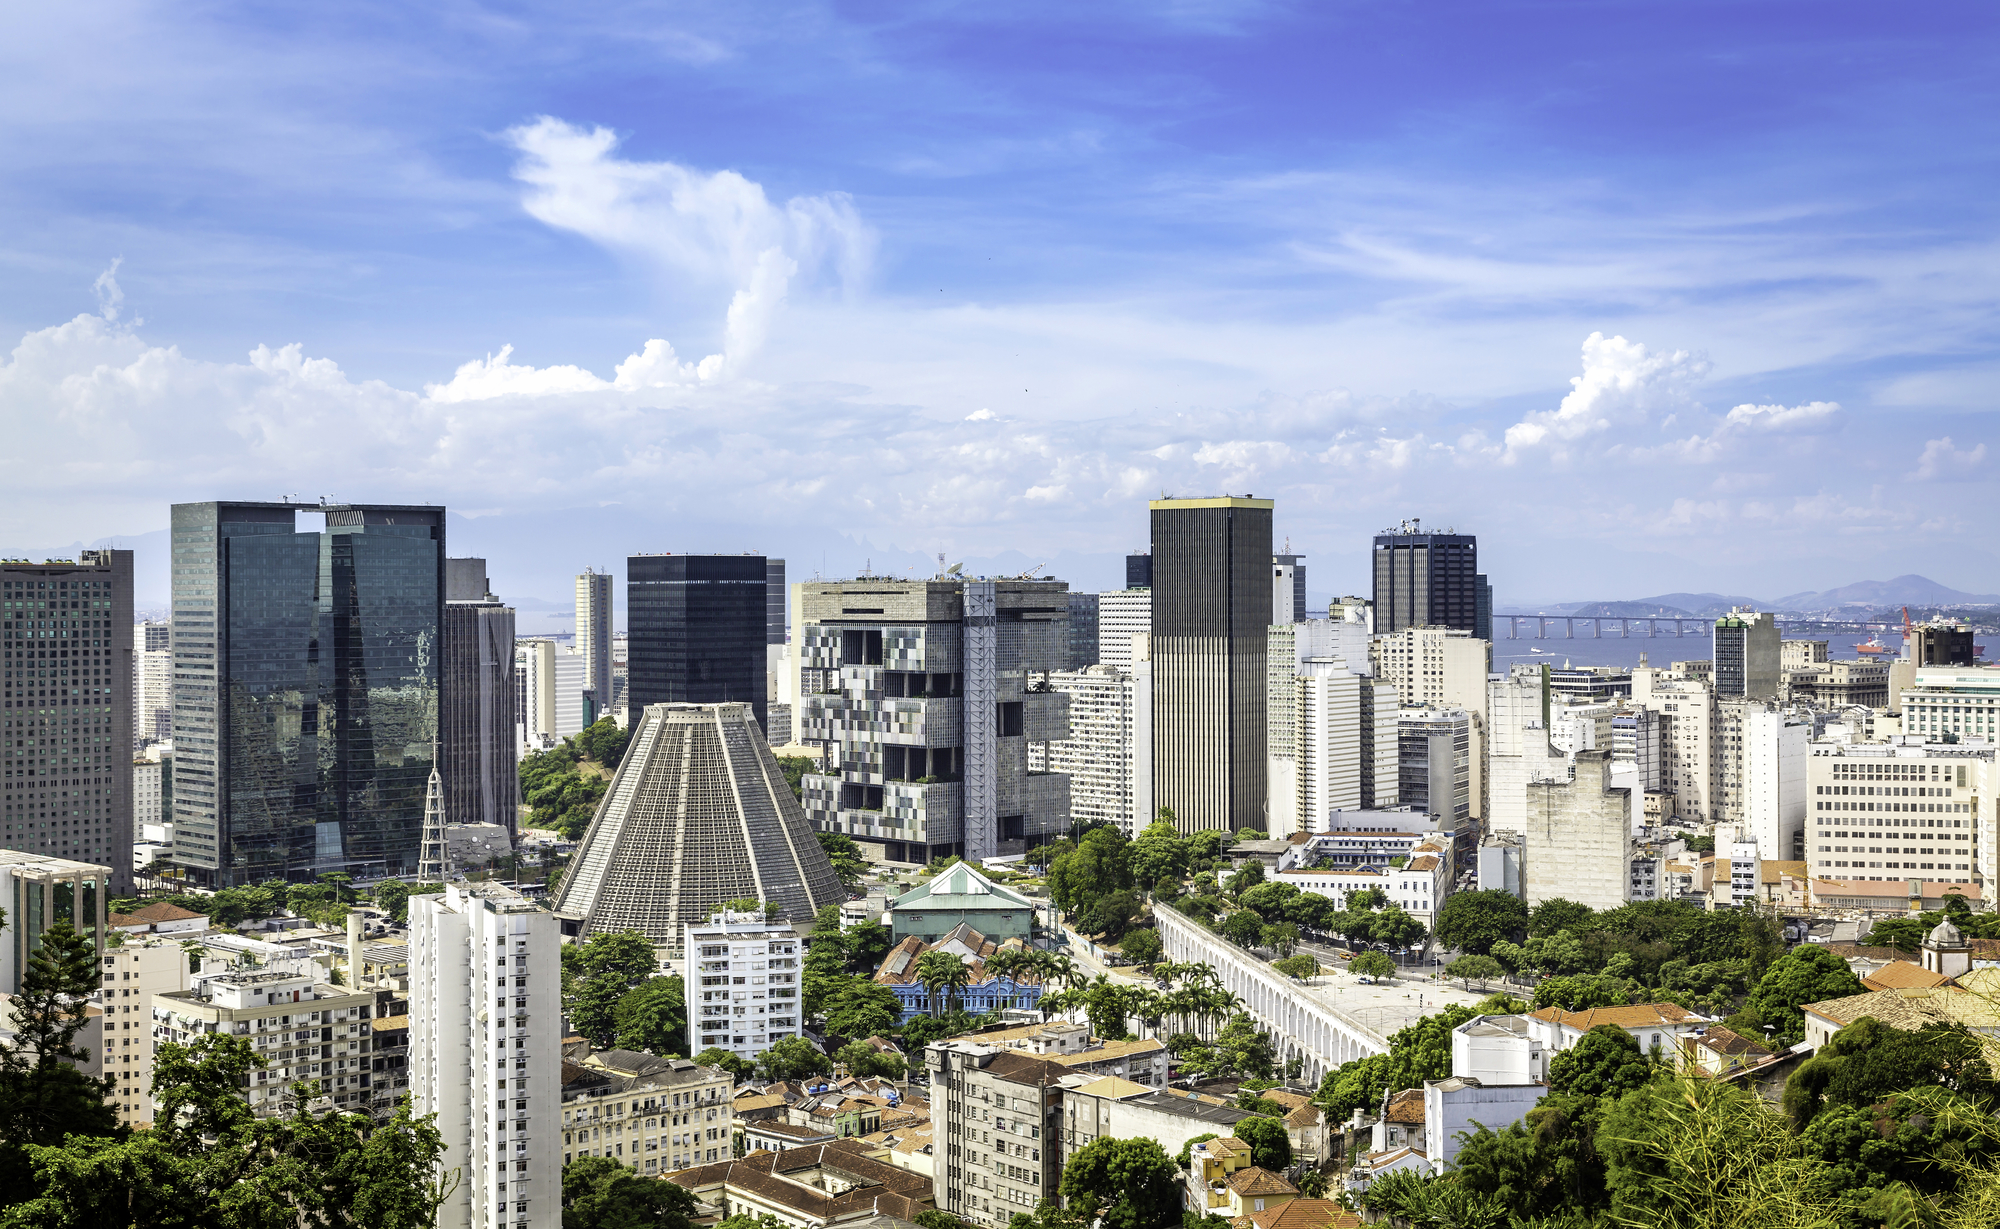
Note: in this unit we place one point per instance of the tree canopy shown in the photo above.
(1806, 974)
(1472, 922)
(1128, 1182)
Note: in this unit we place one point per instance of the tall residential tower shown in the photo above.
(593, 639)
(68, 692)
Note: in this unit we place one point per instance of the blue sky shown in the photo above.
(1651, 297)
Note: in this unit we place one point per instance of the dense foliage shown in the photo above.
(562, 786)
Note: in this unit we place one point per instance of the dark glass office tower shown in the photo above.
(1138, 571)
(68, 695)
(1428, 580)
(775, 623)
(1211, 613)
(482, 783)
(1082, 630)
(696, 630)
(307, 660)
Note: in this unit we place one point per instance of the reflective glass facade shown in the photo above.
(306, 687)
(696, 630)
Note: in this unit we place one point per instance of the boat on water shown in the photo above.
(1873, 648)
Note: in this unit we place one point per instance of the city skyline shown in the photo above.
(1366, 267)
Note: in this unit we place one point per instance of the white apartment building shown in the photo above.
(1687, 709)
(1121, 615)
(1901, 810)
(1442, 667)
(486, 1033)
(742, 983)
(1109, 752)
(1291, 685)
(307, 1031)
(134, 971)
(552, 680)
(153, 681)
(1774, 784)
(1519, 751)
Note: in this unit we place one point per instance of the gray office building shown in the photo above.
(696, 631)
(922, 691)
(1211, 615)
(1434, 765)
(776, 625)
(1139, 571)
(68, 689)
(1748, 655)
(1430, 580)
(482, 783)
(308, 649)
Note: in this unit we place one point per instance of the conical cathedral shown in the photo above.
(698, 815)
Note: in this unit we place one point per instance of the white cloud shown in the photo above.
(1943, 460)
(110, 298)
(709, 229)
(1623, 386)
(1812, 416)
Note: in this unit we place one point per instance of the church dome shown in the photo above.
(1944, 934)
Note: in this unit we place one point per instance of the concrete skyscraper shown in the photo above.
(593, 639)
(921, 690)
(307, 664)
(1288, 588)
(698, 815)
(698, 629)
(68, 696)
(1748, 655)
(1430, 579)
(153, 682)
(1210, 618)
(481, 776)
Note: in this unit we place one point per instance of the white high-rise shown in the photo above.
(742, 983)
(1774, 784)
(152, 690)
(1109, 752)
(486, 1051)
(552, 687)
(1121, 615)
(593, 636)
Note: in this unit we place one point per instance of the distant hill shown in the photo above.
(1903, 591)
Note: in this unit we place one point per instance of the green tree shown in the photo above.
(1127, 1182)
(44, 1097)
(604, 741)
(1245, 877)
(1472, 922)
(1556, 914)
(866, 943)
(1579, 993)
(393, 896)
(1186, 1157)
(600, 1193)
(1302, 966)
(795, 768)
(715, 1056)
(1243, 1049)
(848, 863)
(793, 1058)
(1418, 1052)
(1243, 928)
(602, 971)
(863, 1059)
(1469, 969)
(1806, 974)
(862, 1007)
(1868, 1061)
(1142, 947)
(652, 1016)
(1159, 853)
(1108, 914)
(1372, 965)
(1544, 1167)
(1604, 1062)
(1203, 847)
(1397, 929)
(1270, 1144)
(944, 977)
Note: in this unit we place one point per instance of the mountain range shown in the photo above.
(1910, 590)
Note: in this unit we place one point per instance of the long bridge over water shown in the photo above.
(1647, 626)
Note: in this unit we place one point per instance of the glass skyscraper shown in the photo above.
(696, 631)
(306, 686)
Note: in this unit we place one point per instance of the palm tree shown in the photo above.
(1056, 967)
(1148, 1007)
(943, 976)
(1014, 963)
